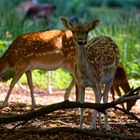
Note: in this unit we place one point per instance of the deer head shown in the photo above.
(131, 103)
(80, 31)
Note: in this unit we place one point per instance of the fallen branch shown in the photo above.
(127, 96)
(50, 108)
(128, 113)
(67, 105)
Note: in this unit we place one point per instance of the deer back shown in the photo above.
(52, 48)
(103, 57)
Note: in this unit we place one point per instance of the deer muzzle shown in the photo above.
(82, 42)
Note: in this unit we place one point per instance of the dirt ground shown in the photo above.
(20, 102)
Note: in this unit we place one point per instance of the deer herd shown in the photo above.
(92, 63)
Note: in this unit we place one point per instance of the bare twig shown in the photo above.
(128, 113)
(127, 97)
(20, 124)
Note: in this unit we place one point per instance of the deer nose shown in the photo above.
(82, 42)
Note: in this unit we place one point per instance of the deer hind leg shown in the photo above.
(18, 73)
(67, 94)
(30, 83)
(98, 97)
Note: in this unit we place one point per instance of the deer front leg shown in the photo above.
(105, 100)
(81, 90)
(98, 97)
(19, 72)
(5, 103)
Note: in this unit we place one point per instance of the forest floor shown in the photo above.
(20, 102)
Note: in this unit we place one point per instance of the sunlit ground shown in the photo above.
(21, 94)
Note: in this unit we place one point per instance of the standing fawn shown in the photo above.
(97, 61)
(46, 50)
(120, 81)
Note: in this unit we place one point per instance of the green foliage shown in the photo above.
(122, 25)
(4, 45)
(60, 79)
(12, 22)
(117, 3)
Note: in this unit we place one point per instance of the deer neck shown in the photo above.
(83, 67)
(81, 58)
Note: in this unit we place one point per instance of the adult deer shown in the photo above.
(40, 11)
(97, 61)
(45, 50)
(32, 9)
(24, 6)
(120, 81)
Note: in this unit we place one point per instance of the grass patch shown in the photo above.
(119, 24)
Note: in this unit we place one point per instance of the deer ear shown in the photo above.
(67, 24)
(93, 24)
